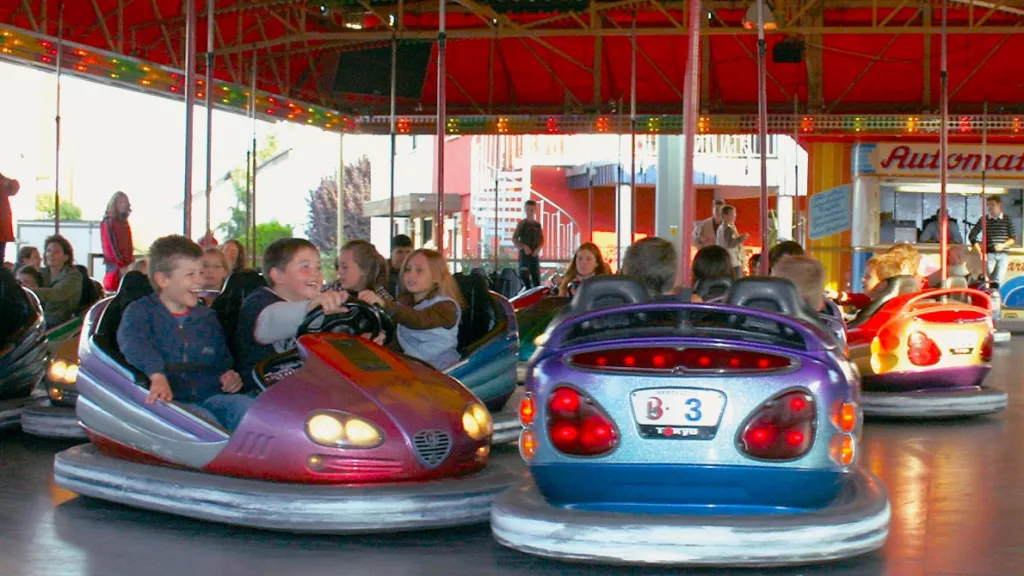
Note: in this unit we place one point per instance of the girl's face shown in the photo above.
(231, 252)
(417, 277)
(213, 272)
(352, 277)
(870, 279)
(35, 260)
(586, 263)
(56, 258)
(124, 206)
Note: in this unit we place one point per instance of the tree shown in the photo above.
(322, 224)
(268, 232)
(68, 210)
(235, 228)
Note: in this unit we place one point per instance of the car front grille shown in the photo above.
(432, 446)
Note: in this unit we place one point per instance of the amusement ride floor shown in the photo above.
(957, 492)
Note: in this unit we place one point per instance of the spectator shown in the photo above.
(705, 233)
(235, 252)
(1000, 234)
(730, 239)
(29, 256)
(116, 234)
(956, 265)
(8, 188)
(587, 263)
(401, 246)
(62, 286)
(808, 275)
(930, 230)
(529, 239)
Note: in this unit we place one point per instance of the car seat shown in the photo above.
(777, 295)
(479, 316)
(228, 305)
(134, 285)
(712, 289)
(895, 286)
(90, 293)
(16, 310)
(509, 283)
(606, 291)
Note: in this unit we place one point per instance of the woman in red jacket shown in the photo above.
(118, 251)
(8, 188)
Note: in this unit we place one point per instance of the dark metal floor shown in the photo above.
(957, 492)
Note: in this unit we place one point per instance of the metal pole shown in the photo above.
(762, 133)
(340, 231)
(190, 101)
(944, 151)
(255, 162)
(799, 236)
(615, 188)
(632, 139)
(56, 171)
(248, 197)
(691, 107)
(209, 107)
(394, 137)
(441, 117)
(984, 200)
(497, 188)
(590, 199)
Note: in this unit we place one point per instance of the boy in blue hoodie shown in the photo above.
(178, 343)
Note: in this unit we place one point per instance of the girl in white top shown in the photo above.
(729, 238)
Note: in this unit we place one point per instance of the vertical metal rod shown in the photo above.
(208, 92)
(56, 170)
(762, 133)
(984, 200)
(632, 140)
(441, 119)
(590, 199)
(617, 183)
(190, 101)
(944, 151)
(120, 26)
(799, 236)
(248, 197)
(497, 188)
(394, 106)
(691, 107)
(339, 235)
(255, 160)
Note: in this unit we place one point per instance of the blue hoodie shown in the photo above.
(191, 350)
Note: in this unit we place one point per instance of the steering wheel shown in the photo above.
(361, 318)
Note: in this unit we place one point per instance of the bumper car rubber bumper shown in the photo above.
(521, 368)
(856, 523)
(12, 409)
(1002, 337)
(343, 509)
(49, 421)
(934, 404)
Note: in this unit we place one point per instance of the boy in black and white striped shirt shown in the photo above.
(1000, 235)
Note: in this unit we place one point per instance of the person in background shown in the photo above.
(730, 239)
(956, 265)
(140, 265)
(783, 249)
(116, 234)
(878, 270)
(705, 232)
(214, 269)
(401, 246)
(910, 262)
(1001, 235)
(29, 256)
(654, 263)
(61, 290)
(930, 231)
(360, 267)
(808, 275)
(529, 239)
(586, 263)
(236, 255)
(8, 187)
(30, 277)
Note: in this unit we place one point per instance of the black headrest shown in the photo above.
(134, 285)
(228, 305)
(778, 295)
(711, 288)
(90, 295)
(955, 282)
(478, 316)
(16, 310)
(608, 290)
(902, 285)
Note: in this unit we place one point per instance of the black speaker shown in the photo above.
(790, 51)
(368, 71)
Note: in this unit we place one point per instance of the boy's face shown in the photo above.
(531, 211)
(870, 279)
(301, 278)
(179, 288)
(28, 281)
(398, 256)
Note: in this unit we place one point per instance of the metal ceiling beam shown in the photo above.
(103, 25)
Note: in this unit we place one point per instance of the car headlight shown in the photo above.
(71, 375)
(61, 371)
(476, 421)
(339, 430)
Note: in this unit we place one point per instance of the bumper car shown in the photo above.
(925, 355)
(22, 350)
(529, 297)
(533, 321)
(346, 437)
(1007, 306)
(673, 433)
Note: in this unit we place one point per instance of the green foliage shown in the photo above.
(268, 232)
(68, 210)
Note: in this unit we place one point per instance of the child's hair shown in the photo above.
(443, 279)
(165, 253)
(807, 274)
(783, 249)
(401, 241)
(886, 265)
(570, 275)
(25, 252)
(239, 263)
(529, 203)
(373, 265)
(995, 199)
(65, 246)
(216, 253)
(112, 205)
(33, 273)
(652, 262)
(711, 262)
(142, 265)
(909, 257)
(728, 209)
(280, 253)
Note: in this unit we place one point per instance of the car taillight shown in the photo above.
(986, 348)
(526, 411)
(527, 445)
(781, 429)
(669, 359)
(845, 417)
(577, 426)
(922, 350)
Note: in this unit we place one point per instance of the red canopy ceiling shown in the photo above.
(871, 56)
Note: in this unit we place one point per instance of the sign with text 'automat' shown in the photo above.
(831, 212)
(923, 159)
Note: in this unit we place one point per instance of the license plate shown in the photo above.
(963, 343)
(679, 413)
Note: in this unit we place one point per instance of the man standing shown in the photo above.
(705, 233)
(529, 239)
(401, 247)
(1001, 234)
(8, 188)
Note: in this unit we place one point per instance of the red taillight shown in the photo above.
(986, 348)
(576, 425)
(668, 359)
(922, 350)
(526, 411)
(782, 429)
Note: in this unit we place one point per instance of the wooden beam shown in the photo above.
(464, 93)
(167, 37)
(752, 56)
(31, 17)
(103, 26)
(568, 93)
(980, 64)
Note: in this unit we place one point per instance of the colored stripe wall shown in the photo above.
(829, 166)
